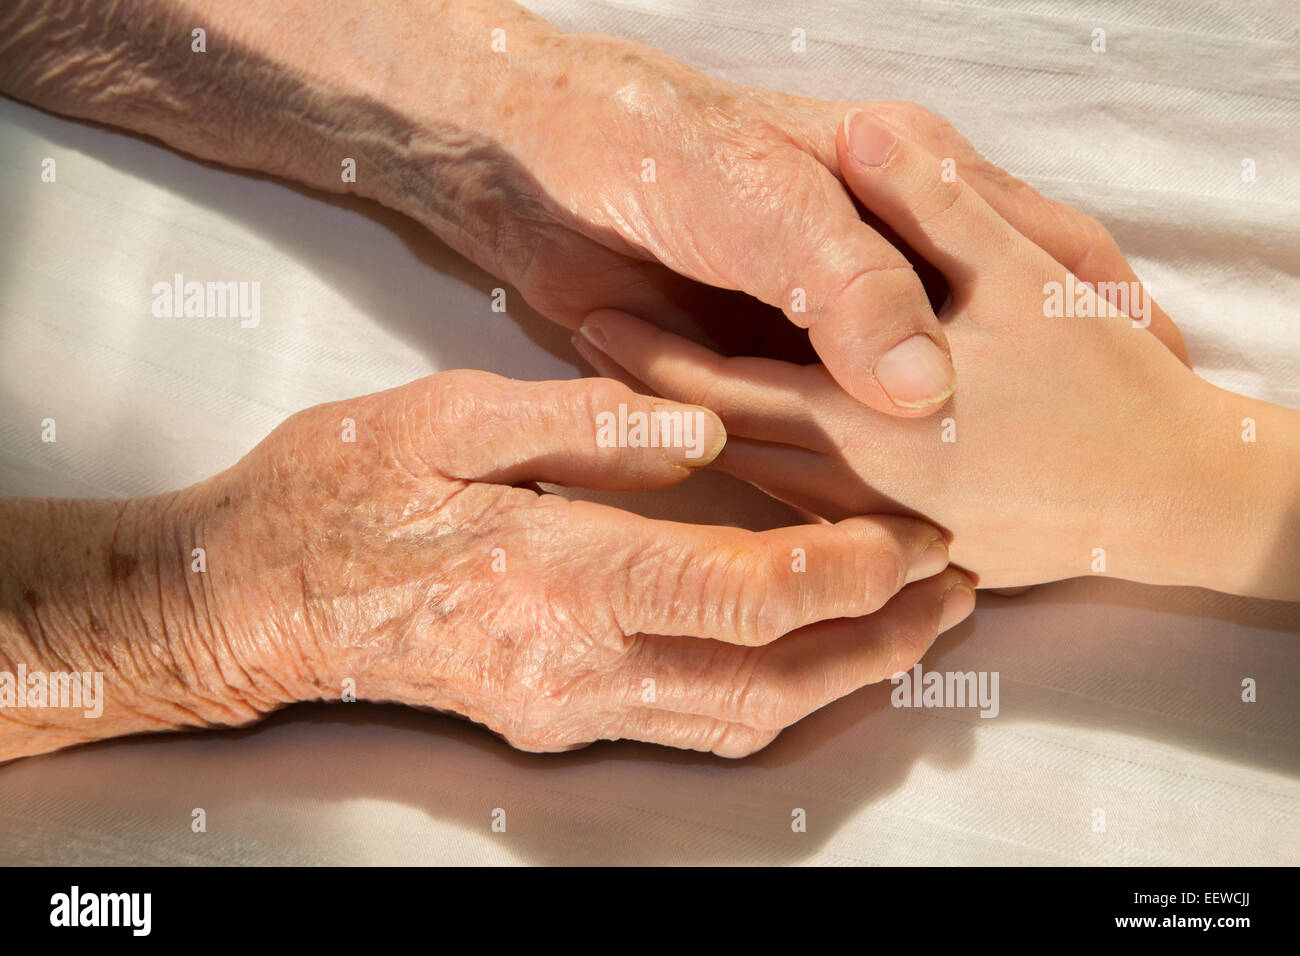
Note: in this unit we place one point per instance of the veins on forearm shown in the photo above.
(96, 60)
(291, 89)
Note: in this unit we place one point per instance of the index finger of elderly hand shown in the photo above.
(769, 688)
(734, 585)
(759, 396)
(590, 433)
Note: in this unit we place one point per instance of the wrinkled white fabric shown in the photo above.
(1119, 704)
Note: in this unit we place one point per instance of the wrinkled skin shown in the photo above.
(371, 561)
(1067, 434)
(376, 561)
(748, 196)
(532, 160)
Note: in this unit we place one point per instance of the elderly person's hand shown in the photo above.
(1078, 443)
(391, 547)
(586, 170)
(748, 194)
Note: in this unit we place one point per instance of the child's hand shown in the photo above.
(1073, 444)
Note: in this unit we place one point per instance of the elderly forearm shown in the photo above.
(103, 627)
(405, 108)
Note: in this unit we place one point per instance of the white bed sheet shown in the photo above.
(1113, 696)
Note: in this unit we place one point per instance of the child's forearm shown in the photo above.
(1238, 504)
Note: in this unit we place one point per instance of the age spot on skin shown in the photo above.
(121, 565)
(31, 599)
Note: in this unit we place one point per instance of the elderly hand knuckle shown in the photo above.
(752, 696)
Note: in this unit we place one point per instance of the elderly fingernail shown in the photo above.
(594, 334)
(870, 141)
(915, 373)
(957, 605)
(930, 562)
(690, 435)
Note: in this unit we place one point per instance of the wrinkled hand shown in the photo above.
(413, 562)
(747, 194)
(1069, 434)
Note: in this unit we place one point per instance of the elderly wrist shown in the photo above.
(463, 163)
(100, 628)
(235, 571)
(170, 660)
